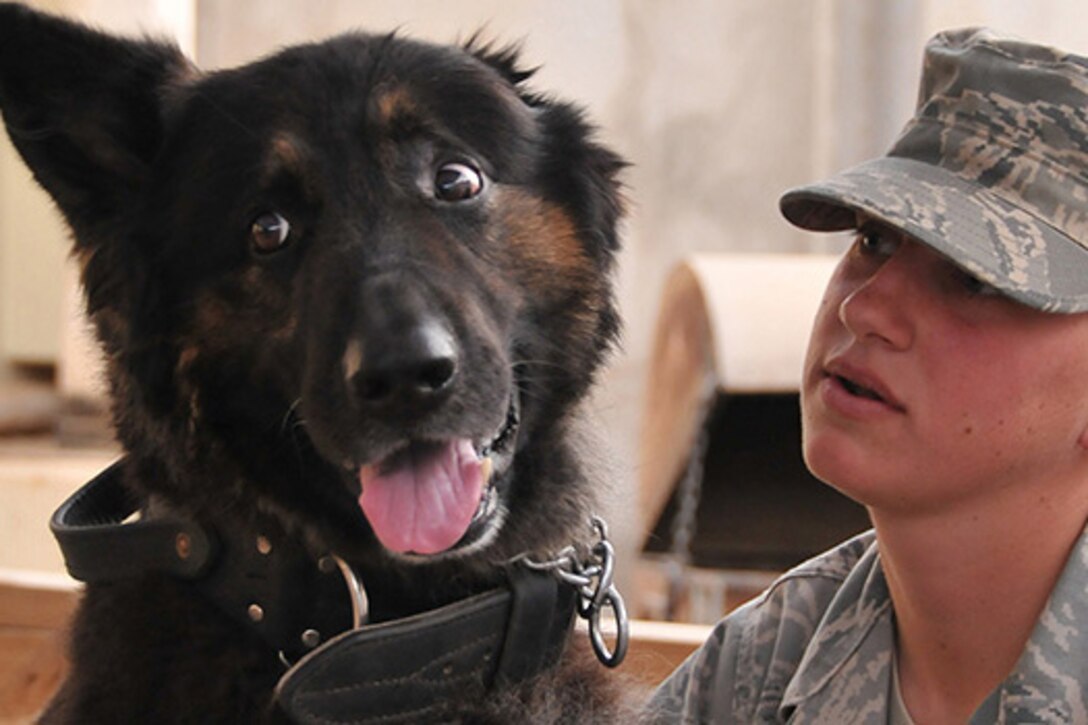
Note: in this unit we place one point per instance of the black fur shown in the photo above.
(228, 363)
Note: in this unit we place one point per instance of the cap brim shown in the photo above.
(1002, 244)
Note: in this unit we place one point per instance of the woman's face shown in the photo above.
(924, 388)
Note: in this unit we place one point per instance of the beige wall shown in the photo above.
(32, 250)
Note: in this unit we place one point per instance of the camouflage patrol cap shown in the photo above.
(992, 170)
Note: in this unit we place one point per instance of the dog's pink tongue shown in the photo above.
(426, 505)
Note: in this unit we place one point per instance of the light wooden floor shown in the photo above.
(36, 598)
(34, 612)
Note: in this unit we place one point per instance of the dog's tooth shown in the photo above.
(487, 465)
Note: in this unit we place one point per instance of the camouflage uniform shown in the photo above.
(817, 647)
(992, 172)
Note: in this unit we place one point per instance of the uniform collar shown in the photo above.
(850, 653)
(1047, 684)
(850, 648)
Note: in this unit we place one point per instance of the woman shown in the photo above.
(946, 389)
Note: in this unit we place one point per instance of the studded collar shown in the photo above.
(312, 609)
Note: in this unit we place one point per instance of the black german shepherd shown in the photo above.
(350, 296)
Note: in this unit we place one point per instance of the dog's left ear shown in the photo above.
(84, 109)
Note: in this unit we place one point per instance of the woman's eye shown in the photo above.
(974, 286)
(876, 242)
(269, 232)
(457, 181)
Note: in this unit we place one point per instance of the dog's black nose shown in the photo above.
(413, 366)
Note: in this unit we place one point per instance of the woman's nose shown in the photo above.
(879, 308)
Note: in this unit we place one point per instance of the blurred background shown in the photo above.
(719, 105)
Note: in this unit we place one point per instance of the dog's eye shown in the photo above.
(269, 232)
(457, 181)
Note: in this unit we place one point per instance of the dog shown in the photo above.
(350, 297)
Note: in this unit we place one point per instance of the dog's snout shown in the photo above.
(416, 365)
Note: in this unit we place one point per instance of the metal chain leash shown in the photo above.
(592, 576)
(689, 492)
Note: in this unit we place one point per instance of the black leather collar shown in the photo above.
(267, 582)
(411, 669)
(299, 604)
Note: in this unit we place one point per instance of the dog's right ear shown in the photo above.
(85, 110)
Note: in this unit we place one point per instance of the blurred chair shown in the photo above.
(724, 494)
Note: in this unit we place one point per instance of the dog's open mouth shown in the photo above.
(430, 497)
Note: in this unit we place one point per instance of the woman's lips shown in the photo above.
(857, 389)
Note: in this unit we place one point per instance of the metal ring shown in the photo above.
(360, 607)
(610, 658)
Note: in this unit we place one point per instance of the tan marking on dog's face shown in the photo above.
(286, 152)
(186, 358)
(541, 234)
(551, 259)
(289, 156)
(392, 105)
(250, 305)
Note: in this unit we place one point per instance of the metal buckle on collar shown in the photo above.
(360, 606)
(592, 577)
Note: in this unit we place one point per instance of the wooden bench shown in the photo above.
(724, 494)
